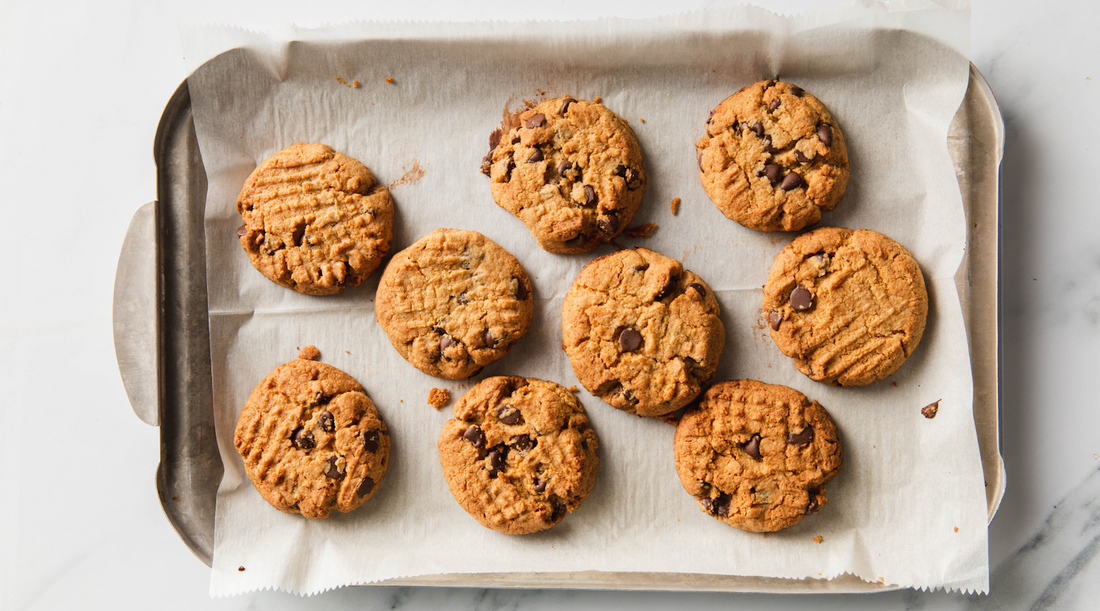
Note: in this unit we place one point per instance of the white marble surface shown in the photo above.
(82, 87)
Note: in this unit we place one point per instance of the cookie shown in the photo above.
(315, 220)
(848, 306)
(757, 456)
(571, 170)
(641, 332)
(519, 454)
(312, 440)
(773, 158)
(454, 302)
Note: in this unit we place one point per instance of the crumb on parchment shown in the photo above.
(389, 79)
(572, 388)
(675, 205)
(309, 353)
(438, 397)
(598, 99)
(641, 231)
(818, 539)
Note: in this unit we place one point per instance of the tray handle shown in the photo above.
(136, 313)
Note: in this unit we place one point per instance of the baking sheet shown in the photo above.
(259, 336)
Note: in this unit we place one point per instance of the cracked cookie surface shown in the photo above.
(641, 332)
(315, 220)
(312, 440)
(454, 302)
(757, 456)
(848, 306)
(519, 454)
(773, 158)
(571, 170)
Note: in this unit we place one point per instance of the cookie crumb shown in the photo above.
(240, 569)
(956, 529)
(438, 397)
(818, 540)
(573, 388)
(355, 84)
(598, 99)
(641, 119)
(929, 411)
(641, 231)
(895, 384)
(389, 79)
(309, 353)
(675, 205)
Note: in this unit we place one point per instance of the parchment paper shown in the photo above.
(909, 506)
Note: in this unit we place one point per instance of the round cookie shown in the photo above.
(641, 332)
(757, 456)
(454, 302)
(315, 220)
(311, 439)
(848, 306)
(519, 454)
(773, 158)
(571, 170)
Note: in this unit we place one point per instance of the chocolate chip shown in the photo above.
(445, 342)
(737, 127)
(590, 198)
(929, 411)
(494, 139)
(812, 506)
(708, 505)
(665, 292)
(521, 289)
(371, 441)
(536, 121)
(774, 318)
(508, 170)
(536, 156)
(539, 485)
(515, 139)
(791, 181)
(801, 439)
(768, 145)
(577, 242)
(365, 487)
(801, 299)
(769, 85)
(630, 340)
(775, 104)
(825, 134)
(490, 341)
(699, 288)
(496, 462)
(758, 127)
(508, 414)
(475, 436)
(801, 158)
(522, 443)
(633, 179)
(620, 171)
(332, 469)
(564, 167)
(565, 106)
(797, 91)
(327, 422)
(302, 439)
(771, 170)
(752, 448)
(722, 505)
(609, 224)
(242, 230)
(462, 299)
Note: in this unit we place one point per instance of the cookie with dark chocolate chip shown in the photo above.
(773, 158)
(312, 440)
(454, 302)
(519, 454)
(315, 220)
(571, 170)
(757, 456)
(848, 306)
(641, 332)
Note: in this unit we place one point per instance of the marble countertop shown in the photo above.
(82, 88)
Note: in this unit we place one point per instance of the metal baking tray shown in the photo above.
(162, 343)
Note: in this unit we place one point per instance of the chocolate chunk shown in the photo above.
(242, 230)
(564, 167)
(522, 443)
(801, 299)
(327, 422)
(620, 171)
(813, 505)
(508, 414)
(539, 485)
(665, 292)
(577, 242)
(737, 127)
(508, 170)
(462, 299)
(825, 134)
(722, 505)
(515, 139)
(707, 504)
(521, 289)
(445, 342)
(609, 224)
(630, 340)
(774, 318)
(475, 436)
(565, 106)
(791, 181)
(365, 487)
(332, 468)
(929, 411)
(633, 179)
(536, 156)
(302, 439)
(801, 158)
(699, 288)
(801, 439)
(371, 441)
(768, 145)
(496, 462)
(769, 85)
(771, 170)
(752, 448)
(797, 91)
(758, 127)
(490, 341)
(590, 198)
(494, 139)
(775, 104)
(536, 121)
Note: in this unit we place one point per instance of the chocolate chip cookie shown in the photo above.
(773, 158)
(571, 170)
(757, 456)
(315, 220)
(848, 306)
(519, 454)
(641, 332)
(312, 440)
(454, 302)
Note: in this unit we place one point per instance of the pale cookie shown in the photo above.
(757, 456)
(519, 454)
(571, 170)
(848, 306)
(311, 440)
(773, 158)
(641, 332)
(454, 302)
(315, 220)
